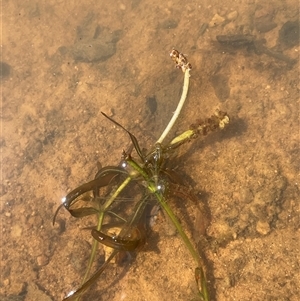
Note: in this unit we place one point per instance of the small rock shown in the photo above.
(93, 50)
(203, 28)
(2, 141)
(100, 47)
(33, 149)
(169, 24)
(264, 19)
(232, 15)
(5, 70)
(246, 196)
(258, 210)
(35, 221)
(151, 103)
(42, 260)
(232, 213)
(289, 34)
(262, 228)
(16, 288)
(7, 214)
(122, 6)
(16, 230)
(221, 87)
(216, 20)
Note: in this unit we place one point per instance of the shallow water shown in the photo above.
(65, 62)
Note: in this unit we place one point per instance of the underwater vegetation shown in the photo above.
(141, 179)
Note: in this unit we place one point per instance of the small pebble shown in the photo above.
(262, 228)
(216, 20)
(169, 24)
(5, 69)
(122, 6)
(232, 15)
(16, 230)
(233, 213)
(42, 260)
(151, 103)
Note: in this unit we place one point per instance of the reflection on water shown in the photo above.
(64, 63)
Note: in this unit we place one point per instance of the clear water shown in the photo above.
(64, 62)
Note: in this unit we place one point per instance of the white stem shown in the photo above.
(179, 106)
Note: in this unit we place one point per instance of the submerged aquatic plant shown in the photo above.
(139, 180)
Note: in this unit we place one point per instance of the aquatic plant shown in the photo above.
(140, 180)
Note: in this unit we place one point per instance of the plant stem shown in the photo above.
(162, 201)
(153, 189)
(99, 225)
(94, 249)
(179, 106)
(178, 226)
(116, 193)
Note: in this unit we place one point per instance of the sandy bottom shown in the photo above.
(64, 63)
